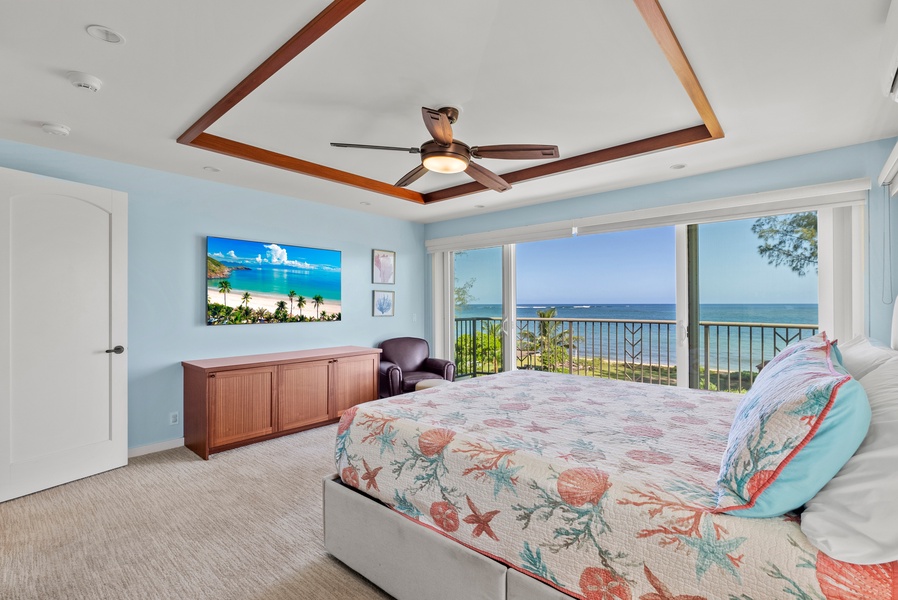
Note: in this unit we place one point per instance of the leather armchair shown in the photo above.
(405, 361)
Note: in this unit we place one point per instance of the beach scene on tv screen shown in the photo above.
(263, 282)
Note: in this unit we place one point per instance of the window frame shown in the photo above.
(842, 246)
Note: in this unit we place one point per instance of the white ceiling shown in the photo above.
(784, 78)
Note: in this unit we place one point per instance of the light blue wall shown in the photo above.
(864, 160)
(169, 217)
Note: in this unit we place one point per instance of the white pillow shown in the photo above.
(862, 354)
(854, 518)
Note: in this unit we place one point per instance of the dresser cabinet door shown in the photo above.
(302, 394)
(355, 381)
(241, 405)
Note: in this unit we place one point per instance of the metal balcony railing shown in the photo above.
(731, 353)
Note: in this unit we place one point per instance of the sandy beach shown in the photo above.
(268, 302)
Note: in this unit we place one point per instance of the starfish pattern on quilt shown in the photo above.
(481, 521)
(710, 550)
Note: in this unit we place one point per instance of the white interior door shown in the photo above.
(63, 304)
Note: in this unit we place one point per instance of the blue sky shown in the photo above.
(637, 267)
(268, 253)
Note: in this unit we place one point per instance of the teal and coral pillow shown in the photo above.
(797, 426)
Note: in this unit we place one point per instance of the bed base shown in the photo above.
(409, 561)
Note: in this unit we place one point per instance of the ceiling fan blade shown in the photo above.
(515, 151)
(412, 176)
(368, 147)
(438, 125)
(487, 177)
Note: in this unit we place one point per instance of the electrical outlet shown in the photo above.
(173, 418)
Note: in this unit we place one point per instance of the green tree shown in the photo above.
(223, 288)
(291, 295)
(300, 303)
(463, 295)
(553, 341)
(246, 298)
(317, 300)
(491, 348)
(789, 240)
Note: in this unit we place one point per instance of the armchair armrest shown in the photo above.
(390, 379)
(444, 368)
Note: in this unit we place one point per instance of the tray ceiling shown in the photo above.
(783, 79)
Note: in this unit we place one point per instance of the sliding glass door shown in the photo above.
(758, 285)
(479, 314)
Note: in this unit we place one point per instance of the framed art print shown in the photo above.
(383, 266)
(383, 303)
(264, 282)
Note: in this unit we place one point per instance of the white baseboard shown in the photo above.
(158, 447)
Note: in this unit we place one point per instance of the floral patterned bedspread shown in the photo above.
(602, 489)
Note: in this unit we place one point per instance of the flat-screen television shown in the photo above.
(264, 282)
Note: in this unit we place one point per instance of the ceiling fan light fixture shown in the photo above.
(452, 158)
(445, 163)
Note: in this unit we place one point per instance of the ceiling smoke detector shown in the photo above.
(84, 81)
(56, 129)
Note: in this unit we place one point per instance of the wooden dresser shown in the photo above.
(231, 402)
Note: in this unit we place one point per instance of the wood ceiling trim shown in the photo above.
(335, 12)
(652, 14)
(674, 139)
(282, 161)
(654, 17)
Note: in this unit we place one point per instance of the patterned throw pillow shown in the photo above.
(798, 425)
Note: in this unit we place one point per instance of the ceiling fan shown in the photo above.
(443, 154)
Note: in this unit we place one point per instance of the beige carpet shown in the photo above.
(244, 525)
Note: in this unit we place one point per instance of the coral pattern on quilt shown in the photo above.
(602, 489)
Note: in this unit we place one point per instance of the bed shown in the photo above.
(536, 485)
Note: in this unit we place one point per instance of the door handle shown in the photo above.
(116, 350)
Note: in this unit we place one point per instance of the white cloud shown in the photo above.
(232, 255)
(217, 255)
(276, 255)
(259, 259)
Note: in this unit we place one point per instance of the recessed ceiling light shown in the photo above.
(84, 81)
(212, 169)
(104, 34)
(56, 129)
(678, 166)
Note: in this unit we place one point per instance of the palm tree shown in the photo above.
(223, 288)
(300, 302)
(291, 295)
(246, 299)
(550, 339)
(280, 312)
(317, 300)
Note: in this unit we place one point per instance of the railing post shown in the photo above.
(693, 304)
(707, 332)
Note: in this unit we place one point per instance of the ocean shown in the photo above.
(728, 348)
(279, 281)
(741, 313)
